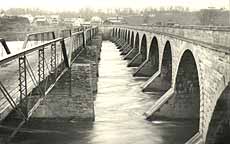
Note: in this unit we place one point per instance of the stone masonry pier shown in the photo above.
(73, 96)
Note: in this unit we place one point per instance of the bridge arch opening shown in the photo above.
(154, 55)
(119, 33)
(113, 32)
(162, 82)
(187, 88)
(186, 103)
(126, 35)
(136, 47)
(166, 67)
(123, 34)
(132, 40)
(219, 128)
(143, 48)
(128, 39)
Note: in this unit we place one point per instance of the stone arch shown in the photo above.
(152, 66)
(119, 33)
(143, 50)
(219, 129)
(136, 45)
(123, 34)
(128, 39)
(90, 34)
(187, 86)
(154, 54)
(126, 35)
(184, 102)
(166, 66)
(132, 40)
(113, 32)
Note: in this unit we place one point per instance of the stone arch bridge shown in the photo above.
(189, 67)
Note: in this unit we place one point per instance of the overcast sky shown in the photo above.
(61, 5)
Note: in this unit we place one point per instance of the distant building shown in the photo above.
(213, 16)
(40, 20)
(87, 23)
(114, 21)
(54, 19)
(78, 22)
(96, 20)
(29, 17)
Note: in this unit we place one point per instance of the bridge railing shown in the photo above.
(26, 77)
(33, 39)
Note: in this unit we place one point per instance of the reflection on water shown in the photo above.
(119, 108)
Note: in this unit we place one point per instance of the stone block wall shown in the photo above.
(73, 96)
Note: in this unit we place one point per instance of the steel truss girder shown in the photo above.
(23, 84)
(53, 60)
(41, 65)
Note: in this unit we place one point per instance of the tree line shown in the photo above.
(178, 14)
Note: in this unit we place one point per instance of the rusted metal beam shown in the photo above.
(23, 84)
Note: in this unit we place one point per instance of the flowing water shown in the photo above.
(119, 109)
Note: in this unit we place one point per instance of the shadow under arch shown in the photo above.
(126, 35)
(143, 50)
(219, 129)
(132, 40)
(182, 103)
(140, 55)
(113, 32)
(163, 81)
(136, 46)
(134, 50)
(128, 39)
(166, 66)
(154, 55)
(119, 33)
(187, 88)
